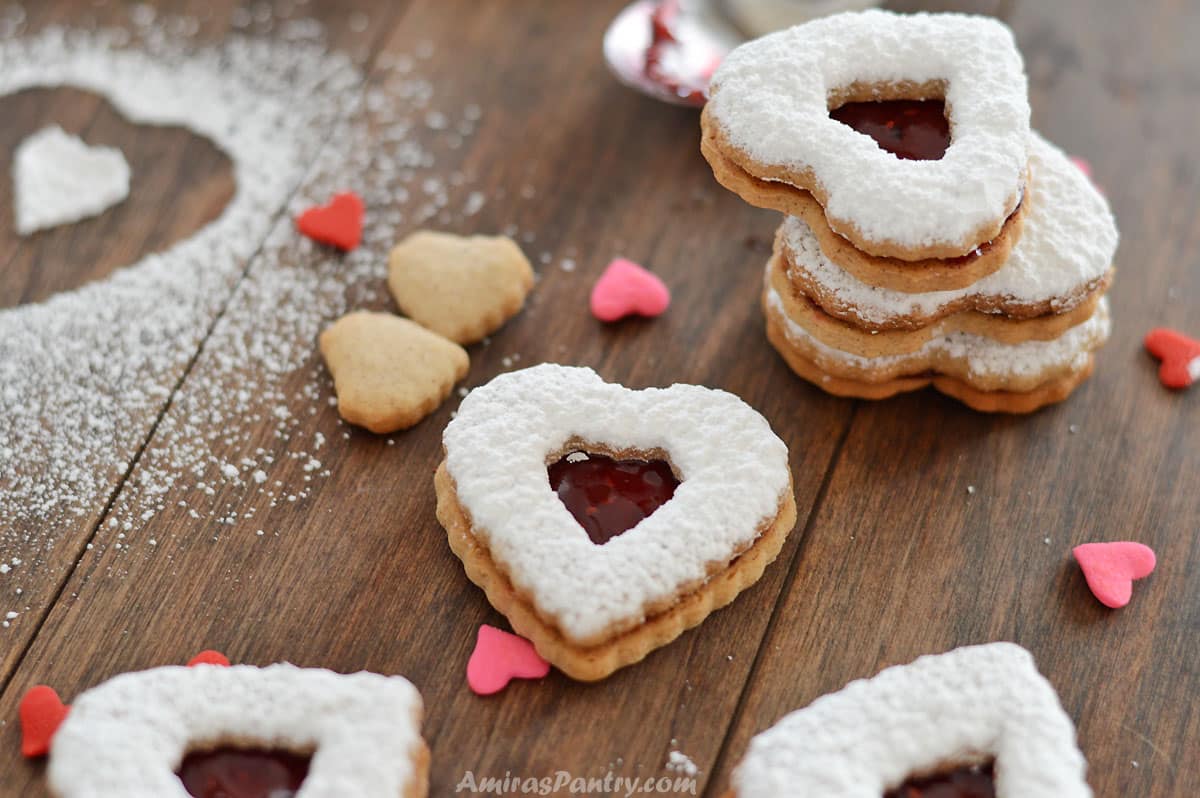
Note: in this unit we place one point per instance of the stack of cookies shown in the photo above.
(931, 237)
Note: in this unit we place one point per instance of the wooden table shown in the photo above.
(892, 557)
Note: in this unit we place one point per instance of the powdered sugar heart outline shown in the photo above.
(255, 102)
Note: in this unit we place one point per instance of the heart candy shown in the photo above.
(41, 713)
(499, 657)
(1180, 356)
(627, 289)
(209, 657)
(1111, 568)
(339, 223)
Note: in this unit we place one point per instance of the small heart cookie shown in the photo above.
(626, 289)
(1111, 568)
(955, 82)
(1180, 356)
(388, 372)
(500, 657)
(603, 522)
(41, 713)
(338, 224)
(464, 288)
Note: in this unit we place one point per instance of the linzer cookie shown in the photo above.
(211, 730)
(1063, 260)
(604, 522)
(910, 131)
(977, 721)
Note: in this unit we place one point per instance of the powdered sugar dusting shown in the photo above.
(84, 375)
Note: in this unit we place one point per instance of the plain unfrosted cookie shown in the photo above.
(969, 707)
(389, 372)
(127, 737)
(464, 288)
(593, 607)
(769, 115)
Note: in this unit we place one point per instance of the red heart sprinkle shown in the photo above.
(1179, 354)
(500, 657)
(209, 657)
(338, 224)
(1110, 569)
(626, 288)
(41, 713)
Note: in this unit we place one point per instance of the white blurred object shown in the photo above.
(668, 49)
(759, 17)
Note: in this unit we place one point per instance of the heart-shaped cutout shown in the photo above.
(627, 289)
(462, 287)
(209, 657)
(41, 713)
(339, 223)
(229, 772)
(1111, 568)
(58, 178)
(768, 118)
(498, 658)
(1180, 356)
(588, 608)
(608, 496)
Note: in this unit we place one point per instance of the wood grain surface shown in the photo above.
(893, 556)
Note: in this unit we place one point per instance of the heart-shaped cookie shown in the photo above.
(127, 737)
(499, 657)
(389, 373)
(964, 716)
(464, 288)
(1111, 568)
(627, 289)
(57, 179)
(769, 117)
(591, 608)
(1179, 354)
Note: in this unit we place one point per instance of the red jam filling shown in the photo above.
(243, 773)
(607, 496)
(968, 782)
(916, 130)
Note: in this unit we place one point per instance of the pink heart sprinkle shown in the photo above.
(1110, 569)
(500, 657)
(626, 288)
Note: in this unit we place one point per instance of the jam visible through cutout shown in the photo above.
(916, 130)
(968, 782)
(243, 773)
(607, 496)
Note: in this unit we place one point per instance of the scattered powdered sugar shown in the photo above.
(85, 375)
(679, 762)
(57, 179)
